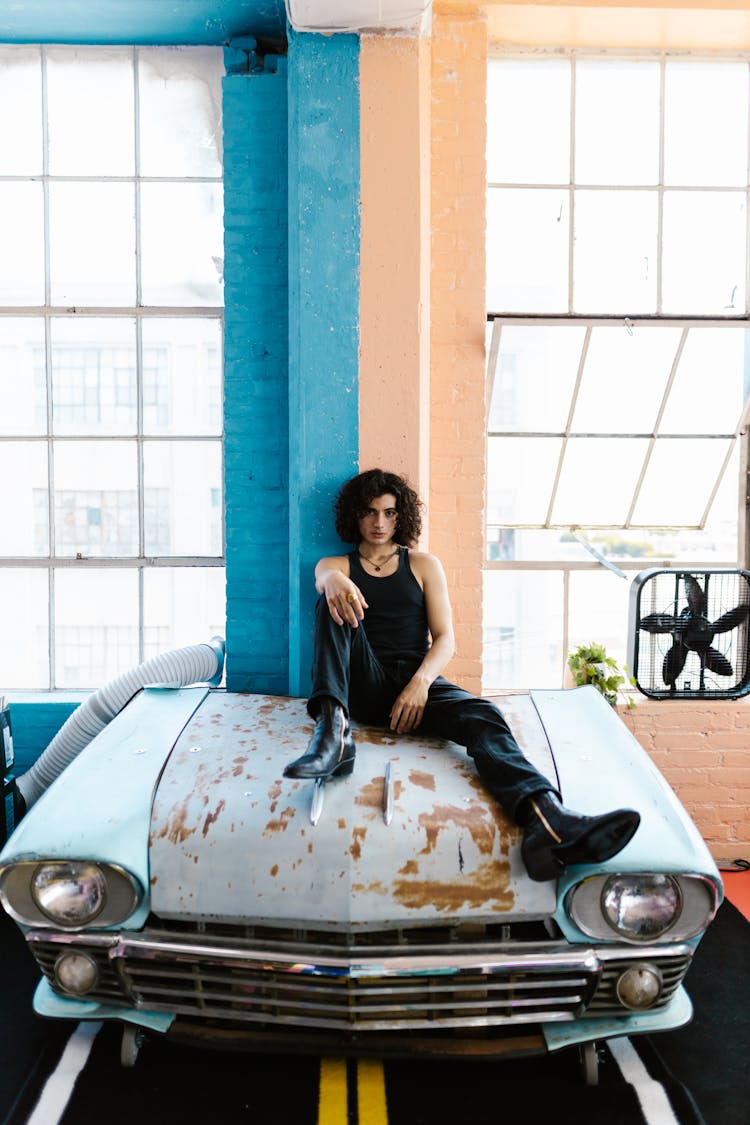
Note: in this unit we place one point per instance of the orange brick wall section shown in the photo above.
(703, 750)
(457, 288)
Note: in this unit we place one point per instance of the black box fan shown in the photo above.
(689, 633)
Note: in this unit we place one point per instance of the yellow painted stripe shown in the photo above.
(371, 1101)
(332, 1099)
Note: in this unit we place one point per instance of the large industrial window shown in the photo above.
(111, 530)
(618, 358)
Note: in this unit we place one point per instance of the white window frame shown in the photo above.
(498, 318)
(141, 562)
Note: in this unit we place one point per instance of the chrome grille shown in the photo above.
(361, 988)
(673, 969)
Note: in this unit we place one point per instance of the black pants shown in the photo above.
(346, 669)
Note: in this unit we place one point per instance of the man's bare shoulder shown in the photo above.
(334, 562)
(425, 565)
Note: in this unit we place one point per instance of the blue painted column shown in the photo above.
(324, 178)
(256, 338)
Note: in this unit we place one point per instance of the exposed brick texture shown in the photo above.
(457, 395)
(256, 455)
(703, 750)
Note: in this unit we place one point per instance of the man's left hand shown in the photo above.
(407, 711)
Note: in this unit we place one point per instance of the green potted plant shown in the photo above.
(589, 664)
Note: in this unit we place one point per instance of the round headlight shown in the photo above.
(76, 972)
(70, 893)
(641, 907)
(639, 987)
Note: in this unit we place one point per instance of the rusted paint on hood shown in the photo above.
(231, 838)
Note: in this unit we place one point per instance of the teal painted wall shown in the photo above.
(256, 364)
(324, 195)
(139, 21)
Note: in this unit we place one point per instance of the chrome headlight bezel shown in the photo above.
(122, 893)
(69, 892)
(696, 903)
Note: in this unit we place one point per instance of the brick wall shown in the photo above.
(703, 750)
(457, 284)
(256, 455)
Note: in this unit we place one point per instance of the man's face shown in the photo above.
(377, 524)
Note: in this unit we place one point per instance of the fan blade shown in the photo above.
(696, 599)
(659, 623)
(717, 662)
(731, 618)
(674, 662)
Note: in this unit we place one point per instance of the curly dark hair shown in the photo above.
(356, 496)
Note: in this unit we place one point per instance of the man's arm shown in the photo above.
(333, 582)
(407, 711)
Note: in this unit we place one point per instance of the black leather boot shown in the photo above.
(331, 749)
(555, 837)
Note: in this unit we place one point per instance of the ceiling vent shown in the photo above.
(328, 16)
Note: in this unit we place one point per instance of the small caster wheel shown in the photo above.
(132, 1041)
(589, 1058)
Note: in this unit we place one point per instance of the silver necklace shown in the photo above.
(375, 565)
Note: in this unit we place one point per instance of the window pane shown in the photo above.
(90, 102)
(520, 475)
(708, 394)
(96, 499)
(609, 91)
(20, 111)
(523, 628)
(182, 502)
(528, 122)
(92, 244)
(22, 241)
(598, 609)
(615, 255)
(705, 126)
(182, 607)
(24, 527)
(24, 409)
(704, 253)
(527, 250)
(630, 367)
(531, 544)
(93, 375)
(24, 598)
(180, 111)
(182, 244)
(535, 376)
(678, 481)
(182, 376)
(96, 626)
(598, 481)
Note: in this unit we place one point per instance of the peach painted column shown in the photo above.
(457, 348)
(394, 371)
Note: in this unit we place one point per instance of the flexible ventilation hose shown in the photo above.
(202, 663)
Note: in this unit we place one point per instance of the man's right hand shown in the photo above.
(345, 600)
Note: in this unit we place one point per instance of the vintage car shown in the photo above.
(172, 879)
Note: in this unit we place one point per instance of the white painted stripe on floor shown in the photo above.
(59, 1086)
(655, 1104)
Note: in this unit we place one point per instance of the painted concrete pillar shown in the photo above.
(256, 457)
(324, 185)
(394, 394)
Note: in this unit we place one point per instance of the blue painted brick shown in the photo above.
(256, 361)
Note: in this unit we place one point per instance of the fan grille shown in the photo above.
(689, 633)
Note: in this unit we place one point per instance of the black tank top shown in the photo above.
(396, 620)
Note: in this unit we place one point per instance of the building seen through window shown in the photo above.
(111, 542)
(618, 361)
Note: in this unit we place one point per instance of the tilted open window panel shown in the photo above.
(689, 633)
